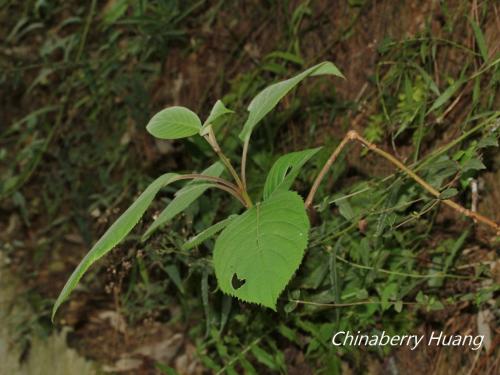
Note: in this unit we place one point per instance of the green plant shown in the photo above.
(259, 250)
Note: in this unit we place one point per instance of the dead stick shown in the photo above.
(354, 136)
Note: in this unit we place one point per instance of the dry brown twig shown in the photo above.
(352, 135)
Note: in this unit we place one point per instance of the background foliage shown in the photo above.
(79, 81)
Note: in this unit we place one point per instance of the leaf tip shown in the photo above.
(55, 308)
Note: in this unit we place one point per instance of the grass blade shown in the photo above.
(267, 99)
(114, 235)
(480, 40)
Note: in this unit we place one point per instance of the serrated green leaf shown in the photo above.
(257, 254)
(218, 110)
(174, 123)
(285, 170)
(268, 98)
(114, 235)
(208, 233)
(184, 198)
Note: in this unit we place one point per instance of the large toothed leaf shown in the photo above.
(208, 233)
(285, 170)
(268, 98)
(174, 123)
(218, 110)
(184, 198)
(257, 254)
(114, 235)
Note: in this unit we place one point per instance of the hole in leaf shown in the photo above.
(236, 282)
(288, 170)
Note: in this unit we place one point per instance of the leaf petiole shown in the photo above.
(212, 141)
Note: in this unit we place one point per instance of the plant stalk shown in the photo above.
(244, 162)
(212, 141)
(352, 135)
(219, 183)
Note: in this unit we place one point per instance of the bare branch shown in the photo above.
(353, 135)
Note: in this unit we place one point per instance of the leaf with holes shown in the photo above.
(257, 253)
(174, 123)
(285, 170)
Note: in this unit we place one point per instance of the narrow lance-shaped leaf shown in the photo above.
(480, 40)
(181, 202)
(268, 98)
(114, 234)
(265, 358)
(446, 95)
(173, 272)
(184, 198)
(208, 233)
(174, 123)
(257, 253)
(285, 170)
(218, 110)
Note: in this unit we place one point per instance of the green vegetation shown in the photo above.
(272, 260)
(80, 82)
